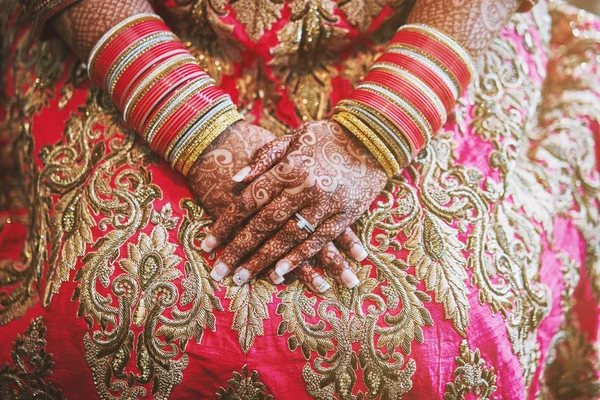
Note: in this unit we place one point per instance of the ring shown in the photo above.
(304, 224)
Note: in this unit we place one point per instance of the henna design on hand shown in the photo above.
(83, 24)
(473, 23)
(326, 175)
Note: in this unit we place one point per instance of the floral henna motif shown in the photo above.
(211, 177)
(326, 174)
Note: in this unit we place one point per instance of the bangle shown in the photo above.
(163, 92)
(156, 75)
(378, 123)
(217, 127)
(407, 94)
(367, 138)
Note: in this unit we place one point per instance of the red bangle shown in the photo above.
(410, 93)
(120, 43)
(430, 78)
(194, 108)
(160, 91)
(396, 115)
(142, 64)
(426, 44)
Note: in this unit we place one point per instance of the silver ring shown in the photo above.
(304, 224)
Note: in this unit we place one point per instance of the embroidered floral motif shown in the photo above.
(249, 306)
(471, 377)
(257, 15)
(244, 387)
(32, 366)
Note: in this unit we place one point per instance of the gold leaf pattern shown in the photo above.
(436, 253)
(244, 387)
(27, 378)
(257, 15)
(471, 376)
(249, 306)
(360, 13)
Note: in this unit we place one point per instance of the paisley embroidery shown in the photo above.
(244, 387)
(28, 377)
(471, 377)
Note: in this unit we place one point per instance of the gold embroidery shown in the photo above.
(208, 37)
(302, 60)
(32, 366)
(257, 15)
(42, 64)
(471, 376)
(244, 387)
(571, 367)
(360, 13)
(249, 304)
(436, 254)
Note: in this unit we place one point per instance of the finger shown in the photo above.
(264, 224)
(260, 192)
(336, 265)
(349, 243)
(264, 159)
(308, 275)
(324, 234)
(288, 237)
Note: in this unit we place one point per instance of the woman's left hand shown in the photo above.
(305, 189)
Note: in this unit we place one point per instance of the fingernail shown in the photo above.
(349, 279)
(358, 252)
(283, 267)
(321, 284)
(242, 173)
(241, 276)
(276, 279)
(209, 243)
(219, 271)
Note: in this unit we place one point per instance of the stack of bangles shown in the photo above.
(407, 95)
(163, 93)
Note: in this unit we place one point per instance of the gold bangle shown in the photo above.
(390, 138)
(216, 128)
(365, 136)
(197, 117)
(399, 135)
(182, 152)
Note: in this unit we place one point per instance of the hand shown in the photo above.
(211, 181)
(320, 172)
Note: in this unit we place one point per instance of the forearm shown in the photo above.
(474, 24)
(84, 23)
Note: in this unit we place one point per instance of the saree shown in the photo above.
(483, 274)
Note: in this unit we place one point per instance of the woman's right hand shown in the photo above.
(211, 181)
